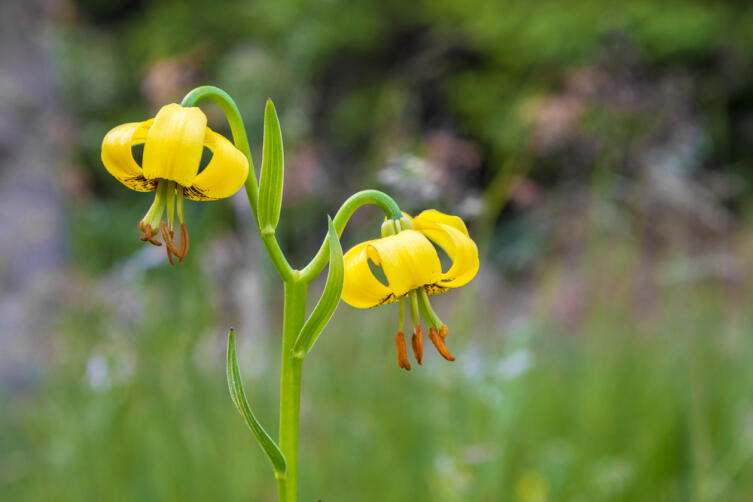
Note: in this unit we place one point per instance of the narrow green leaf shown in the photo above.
(270, 183)
(329, 300)
(238, 394)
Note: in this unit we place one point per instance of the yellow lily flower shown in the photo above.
(413, 270)
(174, 141)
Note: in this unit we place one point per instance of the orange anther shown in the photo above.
(167, 236)
(418, 344)
(443, 331)
(183, 242)
(402, 352)
(148, 236)
(170, 255)
(438, 342)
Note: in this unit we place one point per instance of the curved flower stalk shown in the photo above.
(173, 144)
(413, 270)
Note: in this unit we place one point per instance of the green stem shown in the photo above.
(284, 270)
(290, 388)
(235, 120)
(296, 284)
(381, 199)
(240, 139)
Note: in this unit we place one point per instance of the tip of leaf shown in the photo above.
(331, 228)
(270, 113)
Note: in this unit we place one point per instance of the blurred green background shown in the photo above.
(601, 154)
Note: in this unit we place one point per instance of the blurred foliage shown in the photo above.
(332, 66)
(645, 404)
(553, 89)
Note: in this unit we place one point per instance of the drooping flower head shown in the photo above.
(412, 268)
(173, 145)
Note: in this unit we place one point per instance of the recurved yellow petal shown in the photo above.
(461, 250)
(408, 260)
(360, 288)
(225, 173)
(449, 233)
(432, 216)
(118, 157)
(174, 144)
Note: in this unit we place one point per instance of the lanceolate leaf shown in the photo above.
(330, 296)
(270, 183)
(238, 394)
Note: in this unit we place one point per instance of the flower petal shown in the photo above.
(174, 144)
(408, 260)
(449, 233)
(431, 216)
(360, 288)
(225, 173)
(118, 157)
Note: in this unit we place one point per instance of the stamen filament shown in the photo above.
(401, 314)
(179, 203)
(156, 217)
(417, 340)
(169, 195)
(153, 208)
(170, 203)
(413, 304)
(426, 311)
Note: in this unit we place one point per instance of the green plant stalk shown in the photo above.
(240, 139)
(290, 388)
(296, 285)
(355, 201)
(234, 119)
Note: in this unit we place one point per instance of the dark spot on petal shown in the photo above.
(141, 184)
(391, 298)
(435, 289)
(194, 193)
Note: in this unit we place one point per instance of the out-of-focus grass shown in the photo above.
(634, 404)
